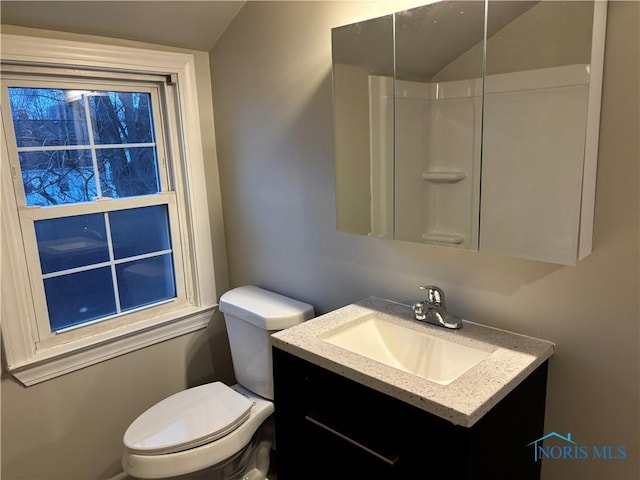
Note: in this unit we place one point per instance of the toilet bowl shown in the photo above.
(216, 431)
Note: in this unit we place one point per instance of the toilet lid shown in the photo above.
(188, 419)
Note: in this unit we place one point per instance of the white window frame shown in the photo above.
(32, 360)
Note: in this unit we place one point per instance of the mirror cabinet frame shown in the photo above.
(499, 203)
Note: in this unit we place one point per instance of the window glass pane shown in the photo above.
(128, 172)
(139, 230)
(45, 117)
(121, 117)
(146, 281)
(120, 159)
(71, 242)
(79, 297)
(57, 177)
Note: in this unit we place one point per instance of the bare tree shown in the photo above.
(45, 118)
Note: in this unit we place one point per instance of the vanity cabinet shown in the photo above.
(331, 427)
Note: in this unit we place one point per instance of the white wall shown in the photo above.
(273, 113)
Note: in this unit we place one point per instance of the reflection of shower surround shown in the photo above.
(437, 160)
(531, 192)
(538, 169)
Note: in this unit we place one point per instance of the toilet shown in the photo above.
(215, 431)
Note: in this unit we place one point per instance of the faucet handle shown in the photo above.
(419, 311)
(435, 295)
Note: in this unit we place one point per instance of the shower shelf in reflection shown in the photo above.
(444, 177)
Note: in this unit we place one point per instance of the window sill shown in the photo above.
(51, 365)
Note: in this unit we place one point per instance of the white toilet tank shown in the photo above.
(251, 315)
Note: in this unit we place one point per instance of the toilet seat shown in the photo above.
(188, 419)
(151, 466)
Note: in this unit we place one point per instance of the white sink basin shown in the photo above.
(423, 355)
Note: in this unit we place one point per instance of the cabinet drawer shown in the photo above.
(341, 426)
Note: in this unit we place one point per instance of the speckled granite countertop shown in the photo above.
(463, 402)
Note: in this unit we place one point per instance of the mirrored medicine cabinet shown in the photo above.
(472, 125)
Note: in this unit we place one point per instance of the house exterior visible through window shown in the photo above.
(103, 213)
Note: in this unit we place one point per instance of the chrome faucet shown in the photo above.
(433, 310)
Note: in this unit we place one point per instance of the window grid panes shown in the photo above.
(75, 147)
(81, 145)
(99, 265)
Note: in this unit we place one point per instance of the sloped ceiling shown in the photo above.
(427, 38)
(196, 25)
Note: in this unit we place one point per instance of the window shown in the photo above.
(103, 205)
(77, 148)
